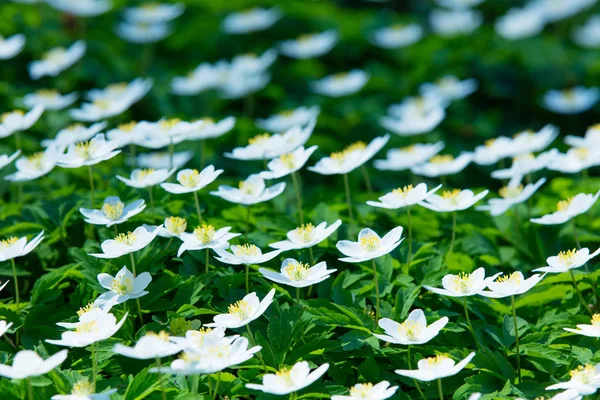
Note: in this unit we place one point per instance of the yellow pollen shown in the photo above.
(564, 204)
(74, 127)
(362, 390)
(189, 179)
(145, 172)
(176, 225)
(297, 271)
(35, 160)
(403, 191)
(166, 124)
(409, 149)
(47, 93)
(305, 38)
(451, 194)
(370, 242)
(83, 388)
(461, 282)
(85, 309)
(596, 319)
(5, 115)
(162, 335)
(341, 155)
(126, 238)
(524, 157)
(513, 278)
(288, 113)
(584, 374)
(87, 327)
(248, 250)
(340, 76)
(246, 187)
(9, 241)
(55, 55)
(398, 27)
(490, 142)
(567, 256)
(205, 233)
(437, 359)
(113, 210)
(581, 153)
(285, 373)
(121, 288)
(441, 159)
(102, 104)
(149, 6)
(510, 192)
(263, 137)
(305, 232)
(288, 160)
(240, 308)
(127, 127)
(410, 329)
(115, 88)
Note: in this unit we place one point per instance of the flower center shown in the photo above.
(220, 350)
(248, 250)
(490, 142)
(567, 256)
(409, 149)
(258, 139)
(84, 149)
(205, 233)
(55, 55)
(510, 192)
(305, 38)
(189, 179)
(433, 361)
(114, 210)
(241, 309)
(83, 388)
(86, 308)
(340, 76)
(461, 283)
(527, 157)
(361, 391)
(87, 327)
(341, 156)
(176, 225)
(8, 242)
(285, 374)
(288, 160)
(451, 194)
(246, 187)
(442, 159)
(305, 233)
(128, 239)
(297, 271)
(121, 287)
(144, 173)
(409, 329)
(198, 336)
(513, 278)
(47, 93)
(584, 374)
(117, 88)
(403, 192)
(563, 205)
(162, 335)
(596, 320)
(167, 124)
(370, 242)
(102, 104)
(127, 127)
(6, 115)
(581, 153)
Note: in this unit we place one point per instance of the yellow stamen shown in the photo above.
(510, 192)
(513, 278)
(87, 327)
(370, 242)
(5, 115)
(451, 194)
(341, 155)
(241, 309)
(126, 238)
(166, 124)
(162, 335)
(9, 241)
(403, 191)
(121, 288)
(596, 319)
(288, 160)
(441, 159)
(567, 256)
(297, 271)
(409, 329)
(263, 137)
(564, 204)
(205, 233)
(584, 374)
(127, 127)
(437, 359)
(305, 232)
(189, 179)
(461, 282)
(145, 172)
(248, 250)
(361, 390)
(47, 93)
(176, 225)
(113, 210)
(85, 309)
(83, 388)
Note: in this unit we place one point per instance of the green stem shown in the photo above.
(132, 152)
(247, 222)
(298, 196)
(216, 390)
(202, 153)
(312, 257)
(409, 362)
(440, 390)
(206, 262)
(171, 154)
(93, 194)
(409, 258)
(247, 278)
(451, 248)
(469, 323)
(132, 264)
(137, 301)
(160, 380)
(18, 140)
(376, 284)
(198, 208)
(581, 299)
(116, 230)
(367, 179)
(348, 199)
(94, 365)
(298, 295)
(151, 198)
(514, 313)
(29, 389)
(14, 268)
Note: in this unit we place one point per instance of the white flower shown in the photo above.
(196, 341)
(74, 133)
(49, 99)
(575, 160)
(571, 101)
(519, 23)
(397, 36)
(4, 326)
(122, 287)
(243, 312)
(251, 64)
(288, 163)
(494, 150)
(154, 12)
(463, 284)
(590, 330)
(352, 157)
(34, 166)
(11, 46)
(112, 212)
(306, 236)
(412, 331)
(591, 139)
(99, 109)
(254, 20)
(125, 243)
(289, 380)
(142, 32)
(449, 88)
(511, 285)
(131, 92)
(588, 35)
(529, 141)
(513, 193)
(205, 76)
(162, 159)
(341, 84)
(82, 8)
(88, 153)
(568, 209)
(246, 254)
(90, 329)
(18, 121)
(223, 354)
(240, 85)
(379, 391)
(286, 120)
(450, 23)
(414, 123)
(455, 200)
(525, 164)
(172, 227)
(369, 245)
(459, 4)
(553, 10)
(585, 379)
(309, 46)
(5, 159)
(266, 146)
(438, 367)
(408, 157)
(150, 346)
(297, 274)
(442, 165)
(143, 178)
(415, 105)
(57, 60)
(28, 364)
(163, 132)
(14, 247)
(250, 191)
(84, 390)
(210, 129)
(206, 237)
(404, 197)
(2, 285)
(568, 260)
(190, 180)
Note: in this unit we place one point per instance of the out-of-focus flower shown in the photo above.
(142, 32)
(511, 285)
(571, 101)
(190, 180)
(4, 326)
(74, 133)
(18, 121)
(590, 330)
(529, 141)
(162, 159)
(591, 140)
(341, 84)
(84, 390)
(352, 157)
(459, 4)
(415, 115)
(82, 8)
(369, 245)
(34, 166)
(14, 247)
(28, 364)
(99, 109)
(306, 236)
(450, 23)
(575, 160)
(379, 391)
(448, 88)
(408, 157)
(206, 237)
(296, 274)
(525, 164)
(210, 129)
(251, 191)
(513, 193)
(397, 36)
(254, 20)
(568, 260)
(519, 23)
(124, 286)
(6, 159)
(289, 380)
(244, 311)
(49, 99)
(126, 134)
(453, 200)
(442, 165)
(151, 13)
(568, 209)
(552, 10)
(412, 331)
(588, 35)
(245, 254)
(113, 212)
(438, 367)
(143, 178)
(286, 120)
(585, 379)
(309, 46)
(493, 150)
(57, 60)
(125, 243)
(11, 46)
(288, 163)
(150, 346)
(172, 227)
(404, 197)
(87, 153)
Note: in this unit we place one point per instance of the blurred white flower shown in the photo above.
(82, 8)
(144, 178)
(407, 157)
(309, 46)
(245, 254)
(14, 247)
(575, 160)
(379, 391)
(124, 286)
(162, 159)
(99, 109)
(352, 157)
(4, 326)
(453, 200)
(297, 274)
(463, 284)
(443, 165)
(288, 163)
(113, 212)
(404, 197)
(149, 347)
(131, 91)
(571, 101)
(204, 77)
(438, 367)
(206, 237)
(126, 134)
(190, 180)
(74, 133)
(415, 115)
(306, 236)
(142, 32)
(196, 341)
(18, 121)
(6, 159)
(513, 193)
(568, 260)
(397, 36)
(27, 364)
(525, 164)
(125, 243)
(242, 312)
(209, 129)
(34, 166)
(250, 191)
(448, 88)
(286, 120)
(528, 141)
(49, 99)
(240, 85)
(369, 245)
(450, 23)
(254, 20)
(556, 10)
(519, 23)
(585, 380)
(84, 390)
(591, 140)
(588, 35)
(87, 153)
(289, 380)
(341, 84)
(590, 330)
(412, 331)
(154, 12)
(459, 4)
(568, 209)
(11, 46)
(57, 60)
(493, 150)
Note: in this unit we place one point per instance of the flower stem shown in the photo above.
(469, 323)
(93, 194)
(298, 295)
(581, 299)
(247, 278)
(160, 379)
(14, 268)
(312, 257)
(151, 198)
(451, 248)
(348, 199)
(94, 364)
(409, 362)
(132, 264)
(247, 222)
(198, 208)
(206, 262)
(29, 389)
(440, 390)
(409, 258)
(367, 179)
(514, 313)
(216, 390)
(137, 301)
(171, 154)
(116, 230)
(298, 196)
(376, 283)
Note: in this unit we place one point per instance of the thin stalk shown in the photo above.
(247, 278)
(216, 390)
(367, 178)
(94, 365)
(160, 380)
(247, 222)
(376, 283)
(298, 295)
(409, 258)
(581, 299)
(249, 105)
(29, 389)
(594, 281)
(440, 390)
(137, 301)
(206, 260)
(348, 199)
(132, 152)
(409, 362)
(514, 313)
(14, 268)
(116, 230)
(469, 323)
(151, 198)
(171, 154)
(311, 256)
(451, 248)
(18, 140)
(132, 264)
(198, 208)
(93, 194)
(298, 196)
